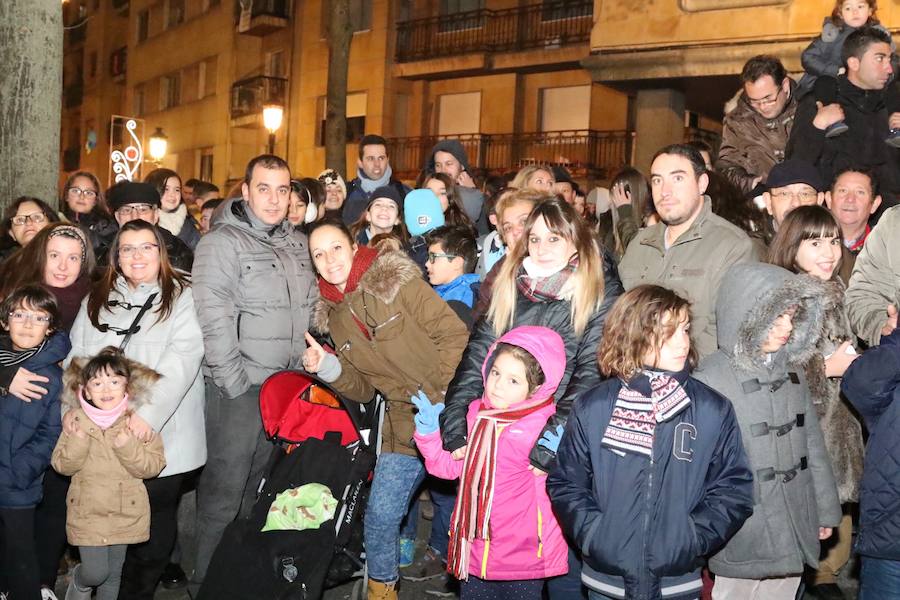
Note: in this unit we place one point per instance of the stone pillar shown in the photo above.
(31, 40)
(659, 121)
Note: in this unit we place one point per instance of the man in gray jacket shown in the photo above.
(254, 289)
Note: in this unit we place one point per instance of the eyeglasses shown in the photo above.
(128, 251)
(433, 256)
(36, 218)
(130, 209)
(767, 101)
(78, 192)
(806, 196)
(20, 316)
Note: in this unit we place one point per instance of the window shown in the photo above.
(565, 108)
(190, 83)
(139, 100)
(170, 91)
(210, 4)
(452, 7)
(275, 63)
(143, 25)
(356, 117)
(459, 113)
(557, 10)
(208, 73)
(460, 15)
(206, 164)
(175, 13)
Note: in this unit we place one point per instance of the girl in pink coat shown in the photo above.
(504, 539)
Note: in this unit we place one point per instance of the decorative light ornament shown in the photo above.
(158, 145)
(127, 162)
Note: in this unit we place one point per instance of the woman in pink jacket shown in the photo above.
(504, 539)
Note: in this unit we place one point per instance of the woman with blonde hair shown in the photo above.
(536, 177)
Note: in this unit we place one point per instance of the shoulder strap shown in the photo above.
(135, 325)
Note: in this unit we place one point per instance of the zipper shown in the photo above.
(647, 512)
(540, 532)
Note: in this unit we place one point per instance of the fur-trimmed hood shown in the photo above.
(751, 297)
(390, 271)
(142, 380)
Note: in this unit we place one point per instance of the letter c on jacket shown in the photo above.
(685, 433)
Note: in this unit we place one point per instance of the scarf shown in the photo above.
(460, 289)
(104, 419)
(69, 300)
(633, 422)
(362, 260)
(10, 357)
(538, 287)
(472, 513)
(173, 221)
(370, 185)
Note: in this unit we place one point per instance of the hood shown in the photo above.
(542, 343)
(455, 148)
(234, 212)
(751, 297)
(142, 380)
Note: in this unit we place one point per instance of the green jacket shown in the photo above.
(876, 278)
(693, 266)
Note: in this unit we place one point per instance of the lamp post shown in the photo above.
(158, 145)
(272, 117)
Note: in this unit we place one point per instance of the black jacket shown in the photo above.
(581, 371)
(644, 526)
(872, 384)
(862, 146)
(98, 227)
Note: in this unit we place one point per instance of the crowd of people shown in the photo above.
(679, 386)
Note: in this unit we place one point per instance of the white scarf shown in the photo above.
(173, 221)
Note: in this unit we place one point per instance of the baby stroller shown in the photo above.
(322, 439)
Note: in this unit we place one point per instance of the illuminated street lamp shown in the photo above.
(272, 117)
(158, 145)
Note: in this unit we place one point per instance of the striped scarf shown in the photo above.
(10, 357)
(472, 513)
(634, 417)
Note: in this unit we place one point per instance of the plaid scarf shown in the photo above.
(633, 422)
(545, 289)
(472, 513)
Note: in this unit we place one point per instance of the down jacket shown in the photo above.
(872, 384)
(581, 362)
(254, 289)
(416, 344)
(644, 526)
(794, 491)
(29, 430)
(107, 502)
(526, 542)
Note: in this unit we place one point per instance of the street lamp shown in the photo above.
(158, 145)
(272, 117)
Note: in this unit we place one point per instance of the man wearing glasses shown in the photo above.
(130, 200)
(757, 129)
(790, 184)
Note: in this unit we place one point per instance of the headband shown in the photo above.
(71, 232)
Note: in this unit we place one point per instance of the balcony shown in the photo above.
(73, 95)
(581, 151)
(263, 17)
(547, 25)
(248, 96)
(118, 64)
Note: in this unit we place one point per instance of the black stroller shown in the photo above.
(320, 438)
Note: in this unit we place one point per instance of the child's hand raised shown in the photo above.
(426, 418)
(71, 426)
(139, 428)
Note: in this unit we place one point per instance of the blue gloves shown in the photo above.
(550, 440)
(427, 418)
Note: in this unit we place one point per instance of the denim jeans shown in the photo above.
(568, 586)
(443, 497)
(879, 579)
(397, 476)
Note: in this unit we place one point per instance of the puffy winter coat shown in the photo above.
(29, 430)
(872, 384)
(581, 371)
(174, 406)
(526, 542)
(107, 502)
(644, 526)
(416, 342)
(254, 289)
(794, 491)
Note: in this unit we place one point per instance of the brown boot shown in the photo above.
(378, 590)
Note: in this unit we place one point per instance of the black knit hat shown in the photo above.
(131, 192)
(389, 192)
(794, 171)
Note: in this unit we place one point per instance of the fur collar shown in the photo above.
(391, 271)
(142, 380)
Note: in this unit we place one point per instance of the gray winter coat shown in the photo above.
(794, 489)
(254, 289)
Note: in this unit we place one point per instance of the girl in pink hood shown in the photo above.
(504, 539)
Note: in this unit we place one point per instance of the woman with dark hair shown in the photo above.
(22, 220)
(809, 241)
(83, 204)
(317, 198)
(144, 306)
(173, 214)
(445, 189)
(631, 207)
(729, 203)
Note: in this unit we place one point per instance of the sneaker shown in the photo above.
(407, 552)
(836, 129)
(893, 138)
(47, 594)
(429, 566)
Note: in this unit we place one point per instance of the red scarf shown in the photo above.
(472, 513)
(362, 260)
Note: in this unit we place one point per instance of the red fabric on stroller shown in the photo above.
(296, 406)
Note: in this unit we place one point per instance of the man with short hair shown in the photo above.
(565, 186)
(691, 248)
(373, 170)
(791, 184)
(449, 157)
(203, 192)
(132, 200)
(853, 199)
(755, 132)
(861, 94)
(254, 290)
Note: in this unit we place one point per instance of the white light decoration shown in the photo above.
(158, 145)
(127, 162)
(272, 117)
